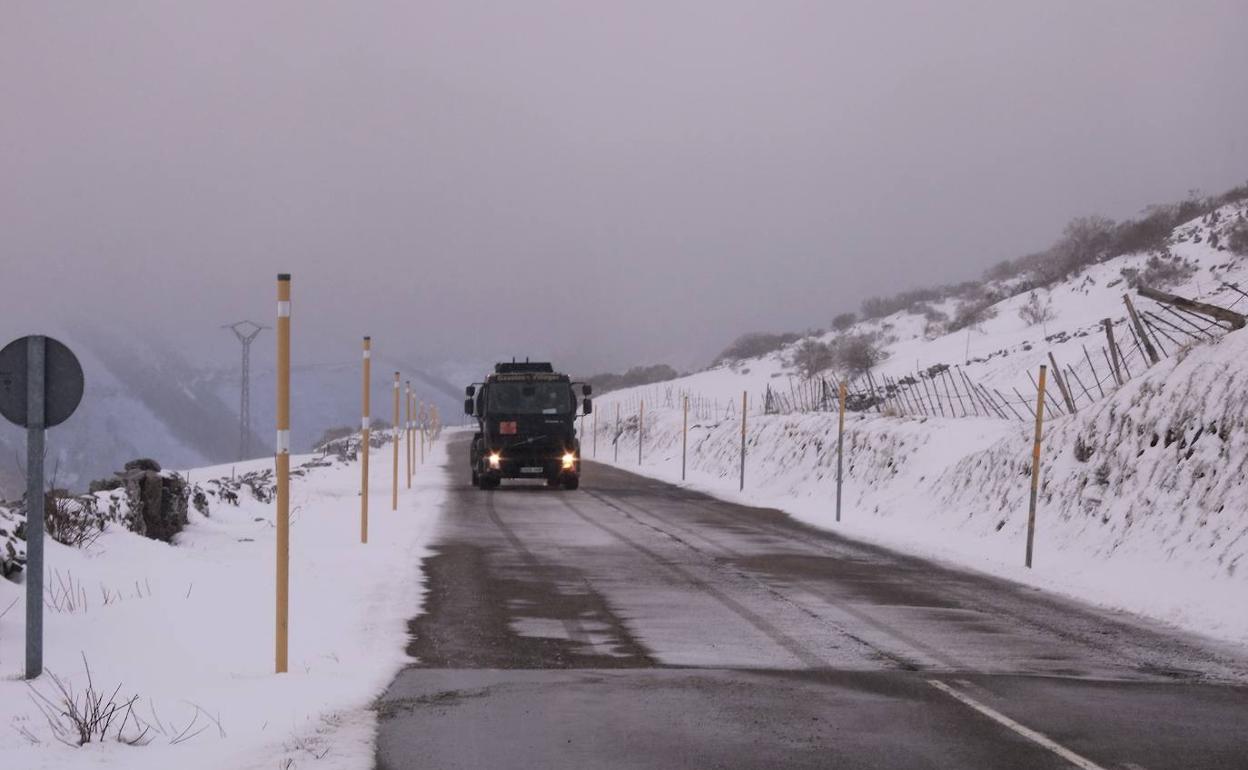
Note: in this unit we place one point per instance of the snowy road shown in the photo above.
(634, 624)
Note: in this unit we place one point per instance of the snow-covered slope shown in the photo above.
(1143, 503)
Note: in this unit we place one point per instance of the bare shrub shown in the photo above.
(72, 521)
(1237, 240)
(1035, 311)
(812, 357)
(755, 344)
(857, 354)
(91, 716)
(1160, 272)
(843, 321)
(973, 312)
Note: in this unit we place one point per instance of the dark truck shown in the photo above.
(526, 426)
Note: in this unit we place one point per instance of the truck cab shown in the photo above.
(526, 425)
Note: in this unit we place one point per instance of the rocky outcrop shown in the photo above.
(158, 501)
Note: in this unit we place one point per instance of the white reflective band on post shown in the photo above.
(368, 354)
(283, 309)
(364, 423)
(396, 384)
(283, 442)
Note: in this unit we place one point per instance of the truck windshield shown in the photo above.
(529, 398)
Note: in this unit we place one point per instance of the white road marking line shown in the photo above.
(1026, 732)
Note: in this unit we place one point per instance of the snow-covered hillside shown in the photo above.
(1144, 481)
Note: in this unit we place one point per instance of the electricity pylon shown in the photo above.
(246, 331)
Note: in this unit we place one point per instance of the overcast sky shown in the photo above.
(606, 183)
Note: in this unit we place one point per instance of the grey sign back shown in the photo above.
(62, 382)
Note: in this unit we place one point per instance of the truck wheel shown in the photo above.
(488, 482)
(476, 478)
(571, 482)
(553, 482)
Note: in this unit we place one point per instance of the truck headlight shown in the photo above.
(569, 460)
(495, 458)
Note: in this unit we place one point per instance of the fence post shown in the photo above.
(1139, 328)
(1113, 350)
(1035, 466)
(1062, 386)
(641, 426)
(684, 439)
(282, 512)
(744, 404)
(617, 432)
(595, 434)
(840, 449)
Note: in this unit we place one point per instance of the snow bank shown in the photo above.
(189, 627)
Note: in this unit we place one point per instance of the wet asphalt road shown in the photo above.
(634, 624)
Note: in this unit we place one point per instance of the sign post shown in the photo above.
(282, 463)
(40, 387)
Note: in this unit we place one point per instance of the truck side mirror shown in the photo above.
(470, 391)
(468, 406)
(587, 406)
(587, 389)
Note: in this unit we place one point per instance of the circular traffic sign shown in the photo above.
(62, 382)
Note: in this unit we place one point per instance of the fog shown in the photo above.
(606, 184)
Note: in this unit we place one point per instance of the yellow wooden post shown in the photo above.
(282, 513)
(1035, 465)
(421, 418)
(744, 402)
(840, 450)
(407, 431)
(365, 431)
(394, 484)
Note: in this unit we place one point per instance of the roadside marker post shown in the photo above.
(1035, 465)
(744, 397)
(617, 432)
(422, 419)
(282, 513)
(365, 431)
(684, 438)
(41, 385)
(840, 448)
(394, 485)
(407, 432)
(595, 434)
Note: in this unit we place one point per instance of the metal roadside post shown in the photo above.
(365, 431)
(617, 432)
(744, 401)
(840, 449)
(595, 434)
(40, 387)
(282, 462)
(1035, 466)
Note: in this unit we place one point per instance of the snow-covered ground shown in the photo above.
(189, 628)
(1143, 505)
